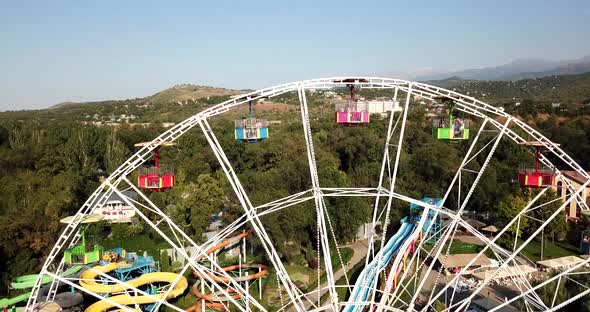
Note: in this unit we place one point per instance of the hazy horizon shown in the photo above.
(59, 52)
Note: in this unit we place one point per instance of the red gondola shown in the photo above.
(156, 178)
(536, 177)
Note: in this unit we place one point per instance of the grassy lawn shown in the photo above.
(458, 247)
(305, 276)
(559, 249)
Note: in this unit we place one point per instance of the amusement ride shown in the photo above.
(156, 178)
(400, 270)
(250, 129)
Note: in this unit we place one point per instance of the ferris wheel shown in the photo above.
(410, 269)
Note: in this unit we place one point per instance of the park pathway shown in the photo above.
(359, 252)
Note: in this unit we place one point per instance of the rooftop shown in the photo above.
(575, 176)
(560, 262)
(461, 260)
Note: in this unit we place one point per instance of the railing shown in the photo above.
(161, 170)
(251, 123)
(356, 107)
(529, 170)
(251, 133)
(444, 122)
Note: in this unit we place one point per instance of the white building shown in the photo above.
(115, 210)
(573, 212)
(364, 231)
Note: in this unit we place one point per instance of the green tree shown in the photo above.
(508, 209)
(194, 203)
(116, 152)
(558, 227)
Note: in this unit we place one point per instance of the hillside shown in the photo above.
(174, 104)
(565, 88)
(175, 94)
(188, 92)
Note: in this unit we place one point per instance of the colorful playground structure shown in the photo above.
(140, 272)
(135, 272)
(80, 254)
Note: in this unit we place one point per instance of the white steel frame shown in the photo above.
(411, 282)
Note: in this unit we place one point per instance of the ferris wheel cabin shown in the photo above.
(251, 130)
(351, 114)
(156, 178)
(450, 127)
(536, 177)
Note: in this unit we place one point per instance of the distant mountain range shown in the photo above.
(515, 70)
(486, 80)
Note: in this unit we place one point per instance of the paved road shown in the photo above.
(359, 249)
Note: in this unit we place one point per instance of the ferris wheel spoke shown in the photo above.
(524, 244)
(543, 158)
(321, 210)
(385, 164)
(392, 180)
(252, 216)
(436, 213)
(179, 247)
(412, 281)
(484, 166)
(555, 279)
(488, 245)
(478, 108)
(456, 218)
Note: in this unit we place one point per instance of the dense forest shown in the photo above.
(50, 162)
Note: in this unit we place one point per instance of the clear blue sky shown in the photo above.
(54, 51)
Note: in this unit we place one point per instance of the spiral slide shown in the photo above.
(214, 301)
(88, 281)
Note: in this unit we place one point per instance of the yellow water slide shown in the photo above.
(88, 281)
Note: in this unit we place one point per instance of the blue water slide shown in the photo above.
(362, 287)
(430, 218)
